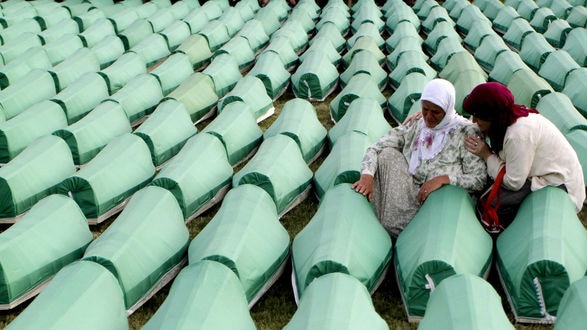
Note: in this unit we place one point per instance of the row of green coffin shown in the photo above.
(146, 242)
(229, 139)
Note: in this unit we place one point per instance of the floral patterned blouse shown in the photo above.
(462, 167)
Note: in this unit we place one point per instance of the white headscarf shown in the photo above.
(431, 141)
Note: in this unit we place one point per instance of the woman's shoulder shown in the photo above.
(467, 127)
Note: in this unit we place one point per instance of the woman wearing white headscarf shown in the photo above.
(404, 166)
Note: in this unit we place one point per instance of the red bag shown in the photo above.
(489, 217)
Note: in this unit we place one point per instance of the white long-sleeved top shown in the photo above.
(535, 149)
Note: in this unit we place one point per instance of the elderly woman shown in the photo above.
(530, 150)
(411, 161)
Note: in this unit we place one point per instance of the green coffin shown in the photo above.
(145, 242)
(343, 236)
(246, 236)
(443, 239)
(538, 270)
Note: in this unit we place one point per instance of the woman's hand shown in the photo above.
(477, 146)
(364, 186)
(431, 185)
(413, 118)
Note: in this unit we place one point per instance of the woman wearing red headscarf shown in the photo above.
(531, 149)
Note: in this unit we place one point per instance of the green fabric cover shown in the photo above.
(517, 32)
(336, 301)
(572, 310)
(86, 16)
(506, 63)
(343, 162)
(280, 7)
(410, 45)
(196, 174)
(535, 49)
(254, 33)
(538, 270)
(557, 32)
(578, 16)
(406, 95)
(315, 78)
(40, 119)
(541, 19)
(33, 174)
(90, 134)
(125, 68)
(176, 33)
(476, 35)
(108, 50)
(559, 109)
(322, 45)
(298, 119)
(224, 72)
(447, 48)
(13, 32)
(504, 19)
(528, 87)
(196, 20)
(166, 130)
(138, 30)
(409, 62)
(204, 295)
(161, 18)
(300, 15)
(83, 295)
(442, 30)
(404, 30)
(465, 73)
(232, 20)
(367, 13)
(269, 19)
(334, 241)
(283, 47)
(577, 139)
(361, 85)
(443, 239)
(240, 49)
(489, 48)
(172, 72)
(279, 168)
(145, 241)
(251, 91)
(436, 15)
(400, 13)
(365, 61)
(74, 67)
(14, 49)
(99, 30)
(152, 48)
(216, 33)
(82, 95)
(271, 71)
(32, 58)
(139, 96)
(246, 236)
(197, 49)
(329, 32)
(237, 129)
(21, 95)
(51, 235)
(197, 94)
(575, 46)
(363, 116)
(368, 30)
(293, 31)
(556, 68)
(469, 17)
(114, 174)
(575, 89)
(465, 301)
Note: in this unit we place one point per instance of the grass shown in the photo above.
(275, 309)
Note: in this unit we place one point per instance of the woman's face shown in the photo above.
(432, 114)
(484, 125)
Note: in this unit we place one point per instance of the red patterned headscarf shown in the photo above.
(494, 102)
